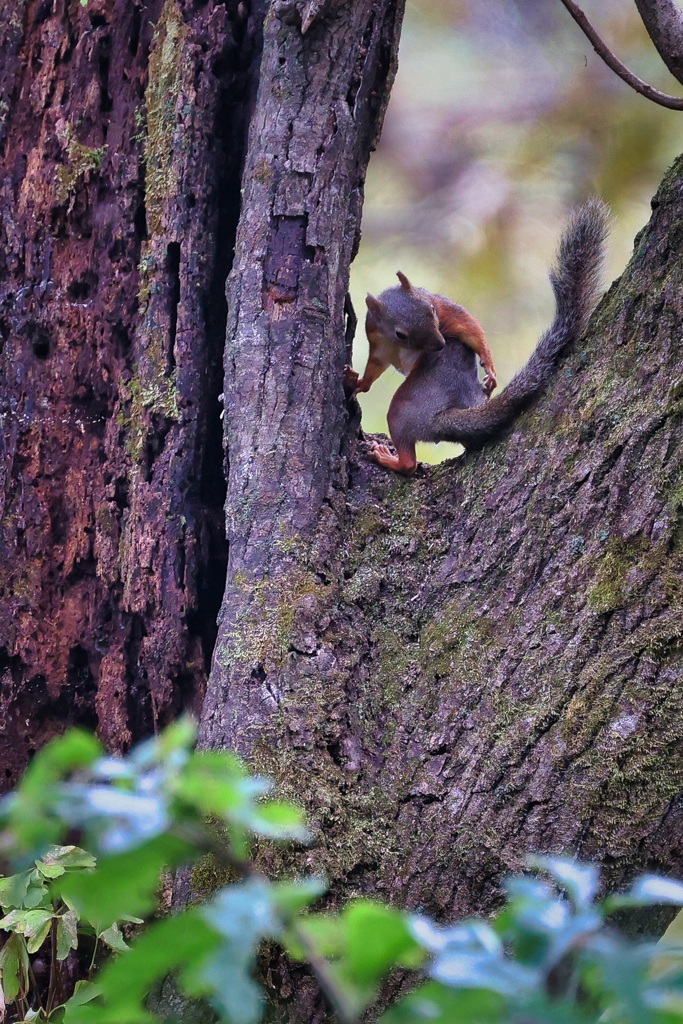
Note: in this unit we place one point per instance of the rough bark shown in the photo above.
(663, 20)
(123, 133)
(315, 120)
(447, 671)
(486, 663)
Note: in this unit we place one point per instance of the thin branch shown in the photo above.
(663, 20)
(52, 987)
(613, 62)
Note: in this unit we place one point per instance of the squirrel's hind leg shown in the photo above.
(404, 430)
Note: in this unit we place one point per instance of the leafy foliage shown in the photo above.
(548, 956)
(37, 913)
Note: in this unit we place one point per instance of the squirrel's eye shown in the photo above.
(401, 335)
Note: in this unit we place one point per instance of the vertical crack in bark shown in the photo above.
(112, 320)
(173, 270)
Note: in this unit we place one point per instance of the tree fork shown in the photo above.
(482, 662)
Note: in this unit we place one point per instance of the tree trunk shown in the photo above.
(455, 670)
(448, 671)
(124, 130)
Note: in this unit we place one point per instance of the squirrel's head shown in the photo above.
(405, 316)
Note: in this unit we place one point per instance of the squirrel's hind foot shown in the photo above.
(401, 463)
(490, 384)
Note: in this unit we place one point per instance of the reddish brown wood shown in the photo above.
(120, 194)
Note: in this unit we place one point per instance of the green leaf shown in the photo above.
(360, 946)
(67, 934)
(470, 936)
(232, 992)
(125, 981)
(114, 939)
(84, 992)
(9, 921)
(49, 870)
(38, 934)
(115, 820)
(538, 1006)
(522, 890)
(292, 897)
(30, 811)
(37, 894)
(14, 965)
(124, 885)
(580, 881)
(276, 820)
(320, 930)
(13, 889)
(61, 756)
(378, 938)
(437, 1004)
(243, 913)
(177, 738)
(215, 783)
(26, 890)
(651, 890)
(59, 859)
(34, 925)
(480, 970)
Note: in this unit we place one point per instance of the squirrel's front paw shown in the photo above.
(490, 384)
(351, 378)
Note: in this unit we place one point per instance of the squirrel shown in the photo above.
(434, 343)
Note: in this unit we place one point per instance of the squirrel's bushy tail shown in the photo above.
(575, 280)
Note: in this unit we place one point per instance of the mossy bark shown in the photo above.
(456, 670)
(122, 130)
(449, 671)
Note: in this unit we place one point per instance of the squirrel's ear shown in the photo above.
(373, 304)
(405, 283)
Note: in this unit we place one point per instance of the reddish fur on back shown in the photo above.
(456, 322)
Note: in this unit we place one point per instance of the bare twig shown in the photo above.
(613, 62)
(663, 20)
(52, 987)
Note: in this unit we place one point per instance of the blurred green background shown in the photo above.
(501, 119)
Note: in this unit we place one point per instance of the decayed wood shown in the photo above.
(119, 198)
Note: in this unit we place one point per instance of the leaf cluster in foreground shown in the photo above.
(550, 956)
